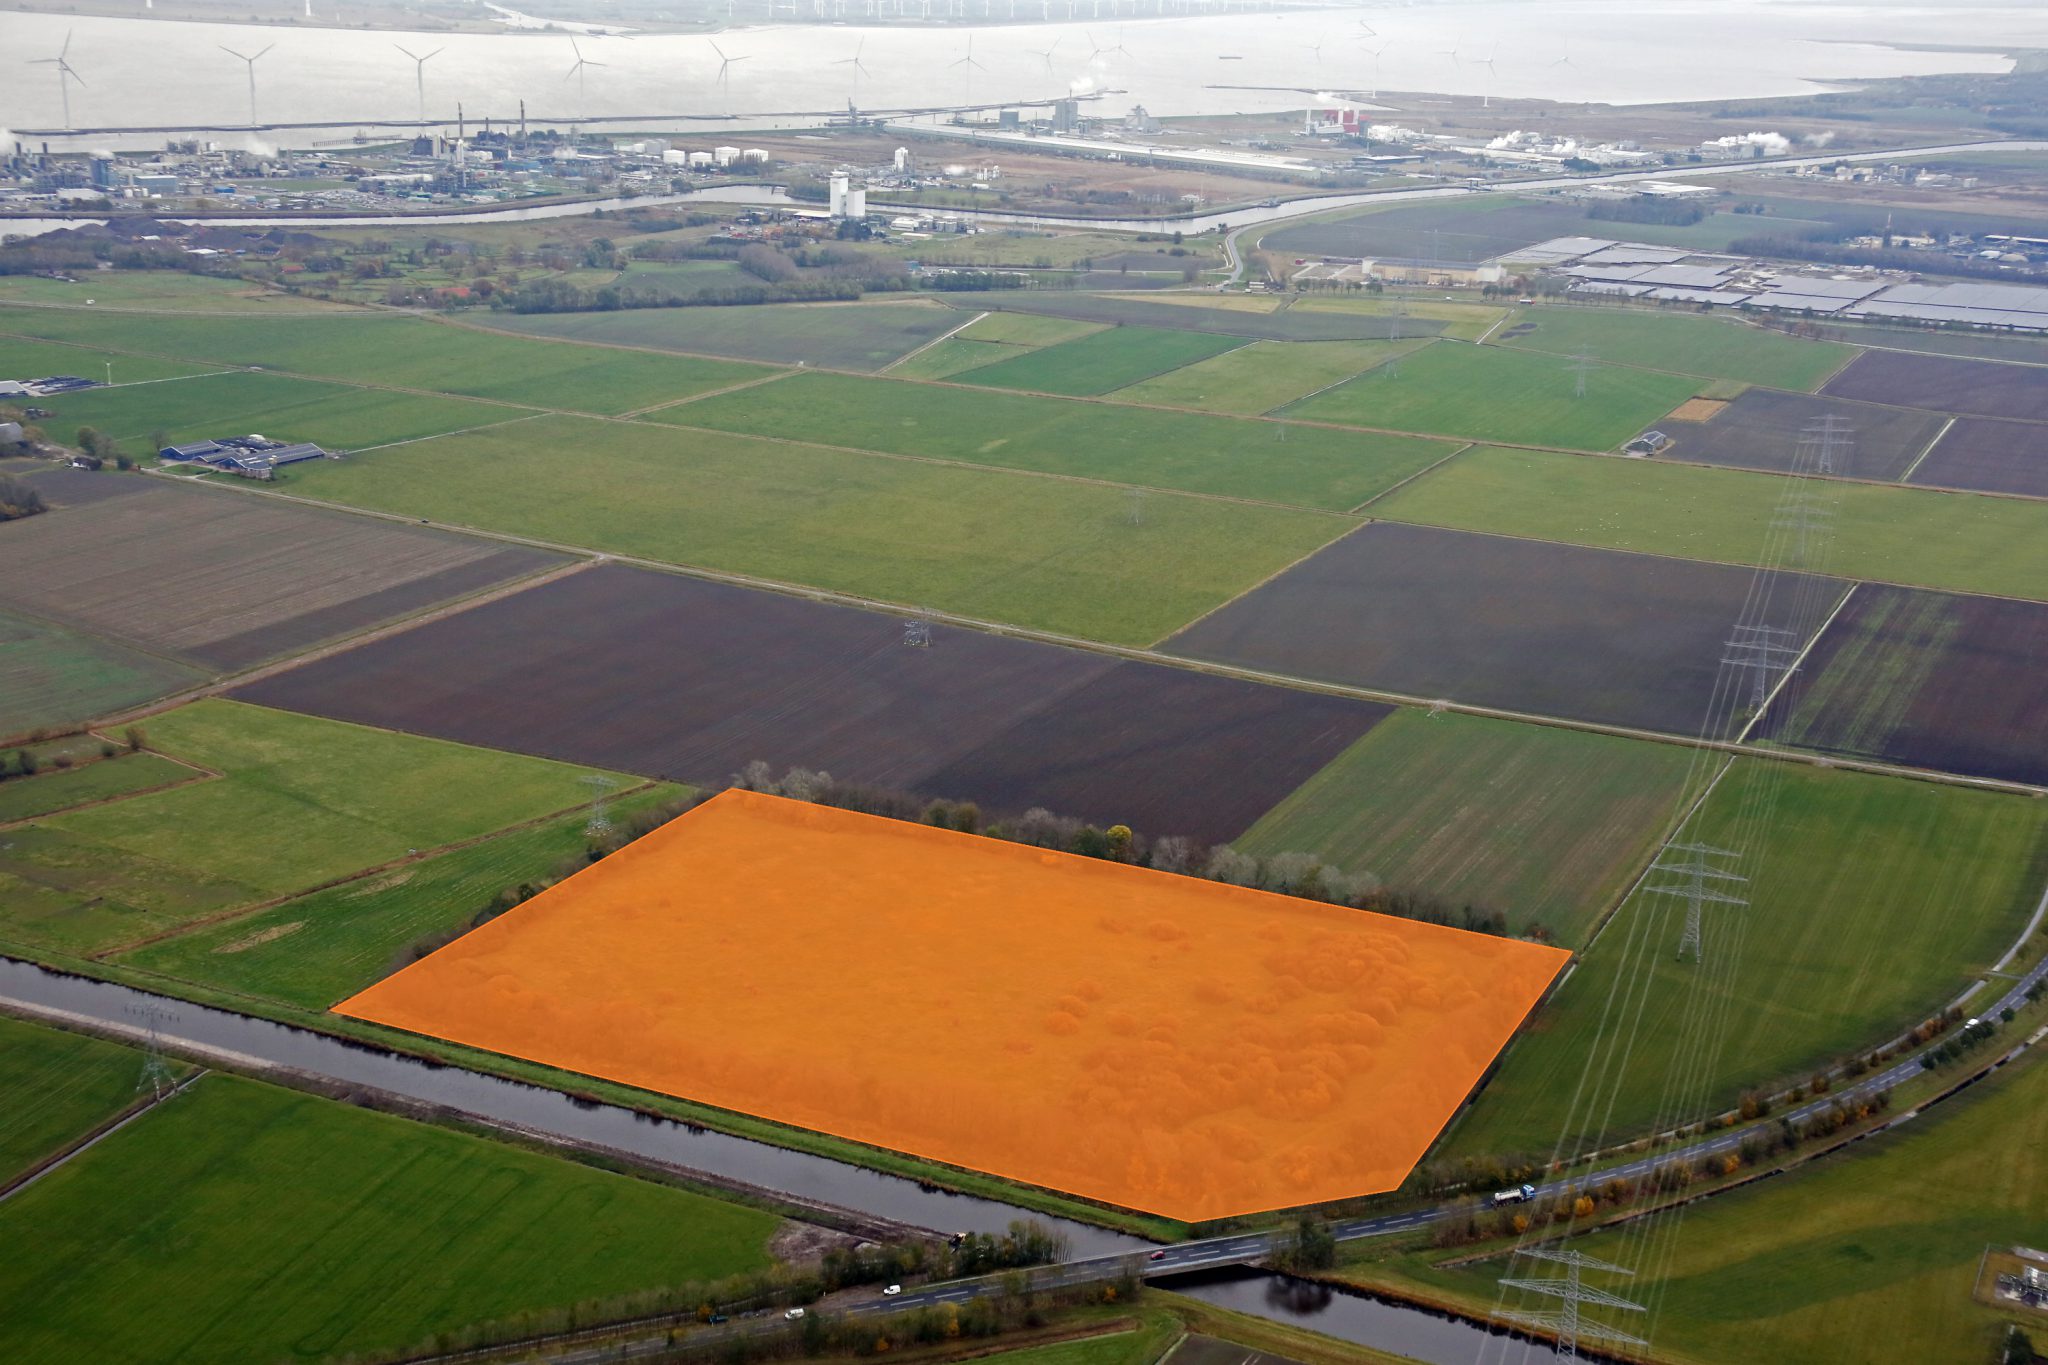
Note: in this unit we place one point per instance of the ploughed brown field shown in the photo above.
(224, 579)
(1930, 680)
(1762, 428)
(675, 677)
(1525, 625)
(1991, 456)
(1977, 388)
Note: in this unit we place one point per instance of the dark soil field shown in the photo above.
(1133, 745)
(1292, 325)
(1990, 456)
(224, 580)
(676, 677)
(1929, 680)
(1594, 635)
(1762, 427)
(1459, 232)
(1969, 388)
(62, 486)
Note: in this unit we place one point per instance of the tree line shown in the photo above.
(1304, 875)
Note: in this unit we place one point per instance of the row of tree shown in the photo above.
(1290, 874)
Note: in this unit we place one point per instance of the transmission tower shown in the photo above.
(156, 1072)
(1693, 888)
(1582, 368)
(917, 631)
(1569, 1324)
(1135, 515)
(1766, 653)
(1832, 441)
(600, 791)
(1394, 333)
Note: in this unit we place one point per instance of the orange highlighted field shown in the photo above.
(1145, 1040)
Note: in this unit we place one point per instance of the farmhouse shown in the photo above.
(252, 457)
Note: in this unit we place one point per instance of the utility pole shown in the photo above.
(1569, 1323)
(1766, 653)
(156, 1072)
(1582, 366)
(600, 823)
(1694, 890)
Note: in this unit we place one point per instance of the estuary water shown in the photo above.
(145, 73)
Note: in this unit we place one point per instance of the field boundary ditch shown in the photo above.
(200, 773)
(92, 1137)
(1921, 458)
(920, 350)
(238, 912)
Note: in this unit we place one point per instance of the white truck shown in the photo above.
(1521, 1194)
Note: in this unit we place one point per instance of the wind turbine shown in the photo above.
(1046, 56)
(1317, 46)
(725, 66)
(1370, 31)
(1376, 51)
(581, 73)
(252, 77)
(1095, 49)
(1566, 59)
(859, 67)
(419, 75)
(967, 76)
(1452, 53)
(1486, 91)
(65, 75)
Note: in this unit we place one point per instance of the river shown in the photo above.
(261, 1044)
(1612, 51)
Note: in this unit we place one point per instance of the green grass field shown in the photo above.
(1048, 553)
(1264, 375)
(1919, 537)
(1028, 329)
(1193, 452)
(55, 1087)
(301, 801)
(949, 357)
(1546, 825)
(1872, 900)
(1142, 1345)
(325, 947)
(834, 336)
(1463, 321)
(413, 353)
(33, 359)
(1489, 393)
(170, 290)
(247, 1223)
(1868, 1255)
(1101, 361)
(50, 676)
(55, 789)
(1713, 347)
(236, 403)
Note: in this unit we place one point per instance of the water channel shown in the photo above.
(1367, 1320)
(261, 1044)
